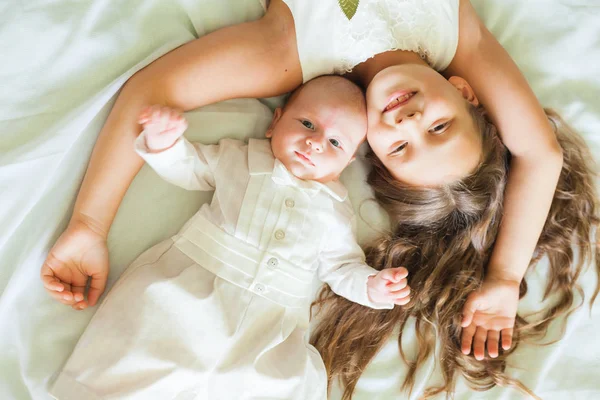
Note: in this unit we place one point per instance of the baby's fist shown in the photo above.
(389, 286)
(162, 126)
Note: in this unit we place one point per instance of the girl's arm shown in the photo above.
(254, 59)
(536, 155)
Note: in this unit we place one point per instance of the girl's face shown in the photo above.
(420, 126)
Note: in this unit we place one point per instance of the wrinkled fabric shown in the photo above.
(63, 63)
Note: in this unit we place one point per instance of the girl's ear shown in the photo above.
(465, 89)
(276, 116)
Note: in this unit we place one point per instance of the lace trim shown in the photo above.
(385, 25)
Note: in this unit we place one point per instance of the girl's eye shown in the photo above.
(439, 129)
(308, 124)
(400, 148)
(335, 142)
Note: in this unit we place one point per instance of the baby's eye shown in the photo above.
(439, 129)
(335, 142)
(308, 124)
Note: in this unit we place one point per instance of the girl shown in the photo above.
(444, 236)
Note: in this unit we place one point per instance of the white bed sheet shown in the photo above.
(63, 63)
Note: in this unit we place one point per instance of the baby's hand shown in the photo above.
(163, 126)
(389, 286)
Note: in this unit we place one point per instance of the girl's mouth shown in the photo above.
(398, 99)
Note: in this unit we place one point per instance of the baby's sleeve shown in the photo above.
(343, 267)
(184, 164)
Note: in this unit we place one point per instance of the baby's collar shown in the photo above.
(262, 162)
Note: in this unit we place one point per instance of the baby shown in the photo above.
(220, 310)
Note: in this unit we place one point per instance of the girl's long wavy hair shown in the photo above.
(444, 237)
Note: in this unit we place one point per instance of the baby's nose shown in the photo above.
(314, 144)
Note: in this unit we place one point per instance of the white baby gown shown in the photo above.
(220, 310)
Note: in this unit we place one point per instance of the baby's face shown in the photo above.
(317, 135)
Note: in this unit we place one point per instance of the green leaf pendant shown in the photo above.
(349, 7)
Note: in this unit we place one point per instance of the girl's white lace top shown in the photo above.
(330, 43)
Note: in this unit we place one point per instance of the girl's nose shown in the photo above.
(411, 115)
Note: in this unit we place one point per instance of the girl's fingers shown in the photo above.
(492, 343)
(80, 305)
(67, 296)
(97, 286)
(479, 343)
(507, 335)
(78, 286)
(78, 290)
(52, 283)
(59, 297)
(78, 293)
(467, 339)
(49, 279)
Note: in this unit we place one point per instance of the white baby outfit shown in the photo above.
(220, 310)
(330, 43)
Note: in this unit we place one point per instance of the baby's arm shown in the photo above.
(536, 155)
(342, 266)
(173, 157)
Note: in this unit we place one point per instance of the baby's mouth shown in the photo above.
(304, 158)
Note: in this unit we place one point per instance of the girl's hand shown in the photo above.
(163, 126)
(389, 286)
(79, 253)
(488, 313)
